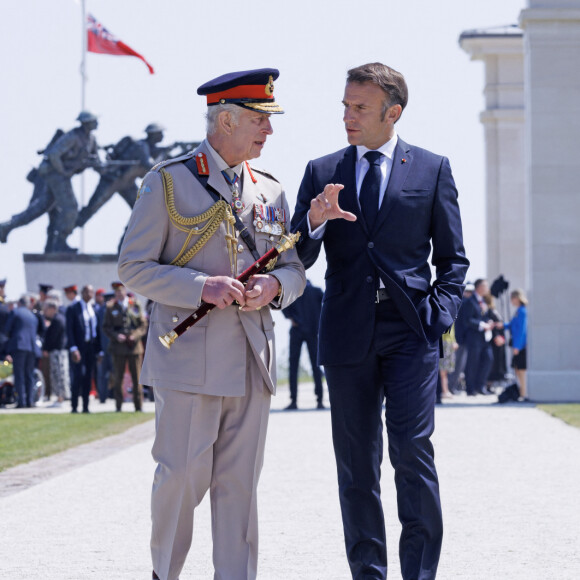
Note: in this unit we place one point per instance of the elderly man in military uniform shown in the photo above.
(66, 155)
(213, 386)
(124, 325)
(140, 156)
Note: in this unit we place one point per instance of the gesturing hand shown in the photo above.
(325, 207)
(222, 291)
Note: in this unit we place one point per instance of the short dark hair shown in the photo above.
(389, 80)
(479, 282)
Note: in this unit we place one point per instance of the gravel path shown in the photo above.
(510, 481)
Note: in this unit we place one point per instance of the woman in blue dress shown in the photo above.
(518, 327)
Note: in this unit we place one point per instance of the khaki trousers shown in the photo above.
(207, 442)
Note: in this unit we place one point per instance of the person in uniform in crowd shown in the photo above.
(213, 386)
(4, 313)
(68, 154)
(84, 344)
(478, 335)
(56, 353)
(304, 315)
(124, 325)
(518, 327)
(379, 207)
(71, 293)
(22, 330)
(454, 378)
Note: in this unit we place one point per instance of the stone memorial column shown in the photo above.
(552, 90)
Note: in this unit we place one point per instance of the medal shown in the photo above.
(269, 219)
(237, 204)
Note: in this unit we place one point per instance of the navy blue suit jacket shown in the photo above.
(419, 212)
(305, 311)
(473, 316)
(75, 328)
(22, 328)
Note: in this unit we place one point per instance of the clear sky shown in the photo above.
(313, 43)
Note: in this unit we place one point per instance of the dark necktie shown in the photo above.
(370, 188)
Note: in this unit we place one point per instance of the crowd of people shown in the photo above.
(78, 341)
(475, 350)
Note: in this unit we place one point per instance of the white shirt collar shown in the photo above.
(387, 149)
(222, 165)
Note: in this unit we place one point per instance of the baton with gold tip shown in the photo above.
(285, 243)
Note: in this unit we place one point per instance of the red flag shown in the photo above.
(100, 40)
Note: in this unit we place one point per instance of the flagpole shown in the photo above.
(83, 103)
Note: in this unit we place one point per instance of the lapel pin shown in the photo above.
(403, 160)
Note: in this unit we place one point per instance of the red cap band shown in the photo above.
(241, 92)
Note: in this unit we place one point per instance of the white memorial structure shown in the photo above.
(532, 137)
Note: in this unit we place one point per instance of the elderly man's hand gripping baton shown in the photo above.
(285, 243)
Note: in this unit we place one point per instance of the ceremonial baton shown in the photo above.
(285, 243)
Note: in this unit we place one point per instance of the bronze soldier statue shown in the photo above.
(134, 160)
(66, 155)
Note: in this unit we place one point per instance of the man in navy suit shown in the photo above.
(22, 329)
(84, 343)
(379, 216)
(479, 351)
(304, 314)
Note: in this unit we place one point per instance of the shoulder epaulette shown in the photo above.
(171, 161)
(264, 172)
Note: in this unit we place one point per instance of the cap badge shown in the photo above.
(270, 87)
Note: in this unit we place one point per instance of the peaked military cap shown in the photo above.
(250, 89)
(117, 284)
(45, 287)
(3, 282)
(71, 288)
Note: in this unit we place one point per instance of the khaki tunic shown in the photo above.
(210, 358)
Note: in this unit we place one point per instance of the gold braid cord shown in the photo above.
(217, 213)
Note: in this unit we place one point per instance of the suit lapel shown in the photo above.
(346, 175)
(402, 163)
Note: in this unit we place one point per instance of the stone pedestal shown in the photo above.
(62, 270)
(502, 52)
(552, 88)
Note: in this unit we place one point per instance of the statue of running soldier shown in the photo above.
(135, 159)
(66, 155)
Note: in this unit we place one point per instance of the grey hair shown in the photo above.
(55, 295)
(27, 299)
(214, 111)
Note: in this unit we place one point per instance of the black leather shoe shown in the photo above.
(320, 405)
(291, 407)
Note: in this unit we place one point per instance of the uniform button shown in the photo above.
(370, 279)
(371, 245)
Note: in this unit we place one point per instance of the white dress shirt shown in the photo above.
(361, 168)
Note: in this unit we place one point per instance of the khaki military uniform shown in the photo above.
(128, 320)
(213, 386)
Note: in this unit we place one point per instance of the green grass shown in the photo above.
(25, 437)
(569, 413)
